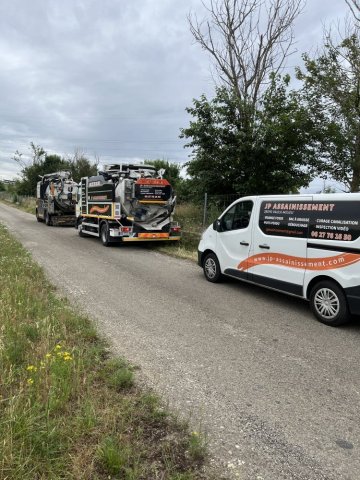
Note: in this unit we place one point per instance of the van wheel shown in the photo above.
(48, 219)
(211, 268)
(105, 235)
(328, 303)
(37, 216)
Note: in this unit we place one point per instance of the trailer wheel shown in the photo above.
(105, 235)
(48, 219)
(328, 303)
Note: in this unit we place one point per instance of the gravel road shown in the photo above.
(277, 392)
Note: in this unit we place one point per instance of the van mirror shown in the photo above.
(217, 225)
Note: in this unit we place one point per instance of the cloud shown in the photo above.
(111, 78)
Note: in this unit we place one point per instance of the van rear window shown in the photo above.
(333, 220)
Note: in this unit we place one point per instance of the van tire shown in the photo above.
(37, 216)
(212, 269)
(328, 303)
(105, 235)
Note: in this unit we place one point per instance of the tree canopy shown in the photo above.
(258, 136)
(43, 163)
(273, 156)
(172, 170)
(331, 91)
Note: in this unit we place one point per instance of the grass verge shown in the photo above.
(67, 409)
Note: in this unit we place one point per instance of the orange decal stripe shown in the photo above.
(321, 263)
(99, 209)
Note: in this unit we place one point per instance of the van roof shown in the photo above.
(313, 196)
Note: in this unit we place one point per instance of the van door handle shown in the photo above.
(264, 246)
(244, 243)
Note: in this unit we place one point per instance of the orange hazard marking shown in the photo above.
(99, 209)
(152, 181)
(321, 263)
(153, 235)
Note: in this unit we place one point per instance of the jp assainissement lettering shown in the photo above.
(318, 207)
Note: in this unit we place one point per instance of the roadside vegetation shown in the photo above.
(68, 409)
(27, 204)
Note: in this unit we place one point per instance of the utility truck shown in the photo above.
(56, 199)
(127, 203)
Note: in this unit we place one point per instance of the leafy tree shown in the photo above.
(249, 138)
(43, 163)
(2, 186)
(80, 166)
(273, 156)
(31, 173)
(172, 170)
(331, 90)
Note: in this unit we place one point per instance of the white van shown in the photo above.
(303, 245)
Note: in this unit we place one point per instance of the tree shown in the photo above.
(354, 6)
(275, 158)
(80, 166)
(247, 40)
(31, 173)
(172, 170)
(42, 163)
(233, 150)
(2, 186)
(331, 90)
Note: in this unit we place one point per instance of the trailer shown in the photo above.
(56, 199)
(127, 203)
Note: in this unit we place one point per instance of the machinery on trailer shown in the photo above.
(128, 203)
(56, 199)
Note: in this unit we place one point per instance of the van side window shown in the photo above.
(237, 217)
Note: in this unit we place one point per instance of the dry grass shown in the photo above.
(27, 204)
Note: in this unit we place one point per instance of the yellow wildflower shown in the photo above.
(30, 381)
(58, 347)
(31, 368)
(67, 357)
(48, 355)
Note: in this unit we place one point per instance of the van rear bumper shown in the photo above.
(353, 299)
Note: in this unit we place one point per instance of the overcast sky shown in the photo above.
(110, 77)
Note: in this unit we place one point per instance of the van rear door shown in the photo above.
(278, 259)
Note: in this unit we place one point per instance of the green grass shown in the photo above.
(68, 410)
